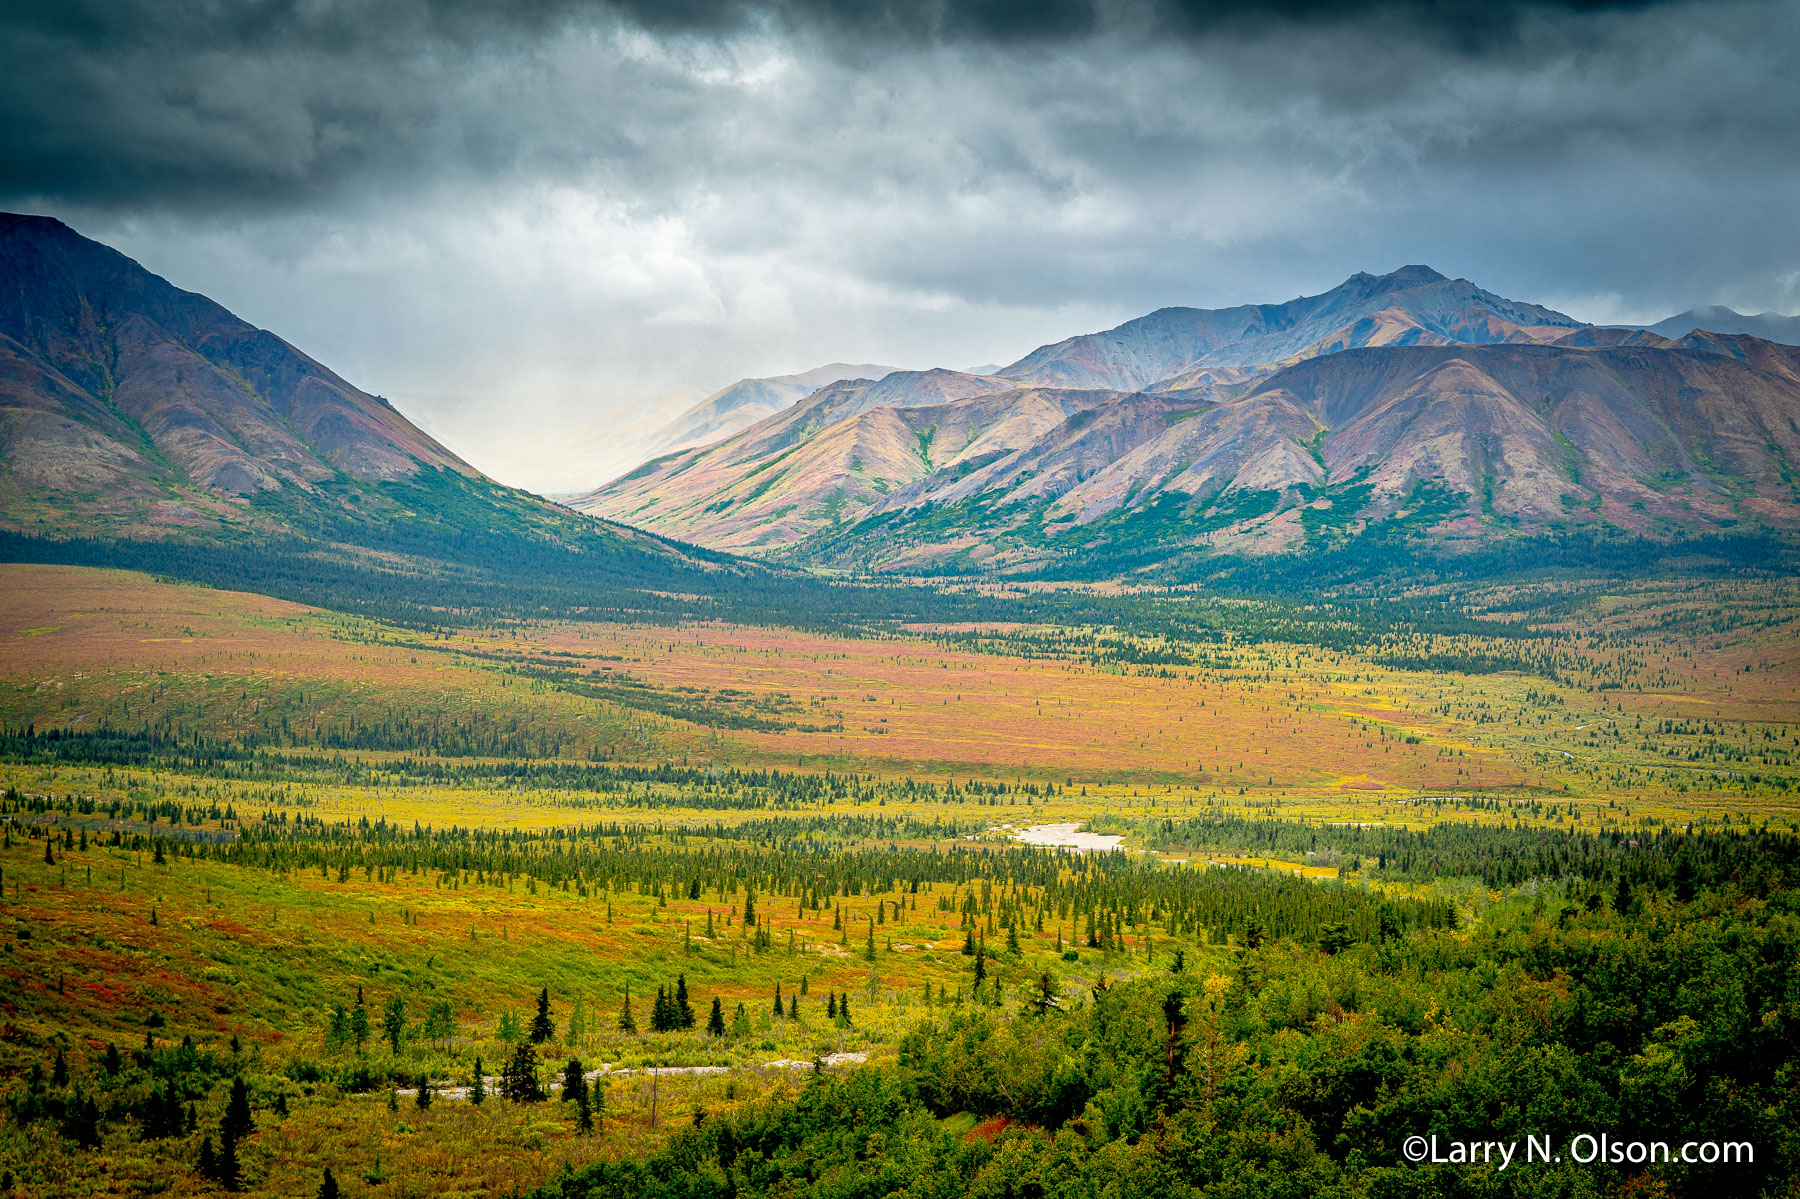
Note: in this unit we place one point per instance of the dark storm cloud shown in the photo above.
(341, 24)
(201, 103)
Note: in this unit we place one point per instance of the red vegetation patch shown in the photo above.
(988, 1130)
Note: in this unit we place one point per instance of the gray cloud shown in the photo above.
(549, 211)
(272, 102)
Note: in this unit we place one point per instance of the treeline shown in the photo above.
(146, 808)
(698, 786)
(1504, 856)
(818, 864)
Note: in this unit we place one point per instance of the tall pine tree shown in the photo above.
(542, 1028)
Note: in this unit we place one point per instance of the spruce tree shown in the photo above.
(574, 1082)
(393, 1022)
(328, 1187)
(519, 1080)
(684, 1011)
(542, 1028)
(227, 1172)
(359, 1023)
(423, 1100)
(237, 1121)
(627, 1022)
(715, 1021)
(161, 1114)
(1046, 998)
(663, 1017)
(478, 1088)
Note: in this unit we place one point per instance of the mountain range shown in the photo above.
(1406, 405)
(1402, 403)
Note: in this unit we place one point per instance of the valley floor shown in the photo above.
(229, 819)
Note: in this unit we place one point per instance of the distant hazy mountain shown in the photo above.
(1770, 326)
(747, 401)
(604, 446)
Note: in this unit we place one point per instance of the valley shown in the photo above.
(1204, 750)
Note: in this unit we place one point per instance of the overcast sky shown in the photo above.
(514, 226)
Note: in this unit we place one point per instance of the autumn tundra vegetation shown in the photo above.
(1229, 896)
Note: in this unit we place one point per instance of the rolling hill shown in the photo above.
(1406, 404)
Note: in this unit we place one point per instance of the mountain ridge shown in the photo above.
(943, 470)
(1155, 350)
(142, 424)
(114, 380)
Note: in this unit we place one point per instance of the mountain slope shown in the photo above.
(161, 405)
(1770, 326)
(832, 456)
(755, 491)
(1458, 444)
(145, 425)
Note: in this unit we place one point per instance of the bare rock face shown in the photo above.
(1406, 404)
(120, 393)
